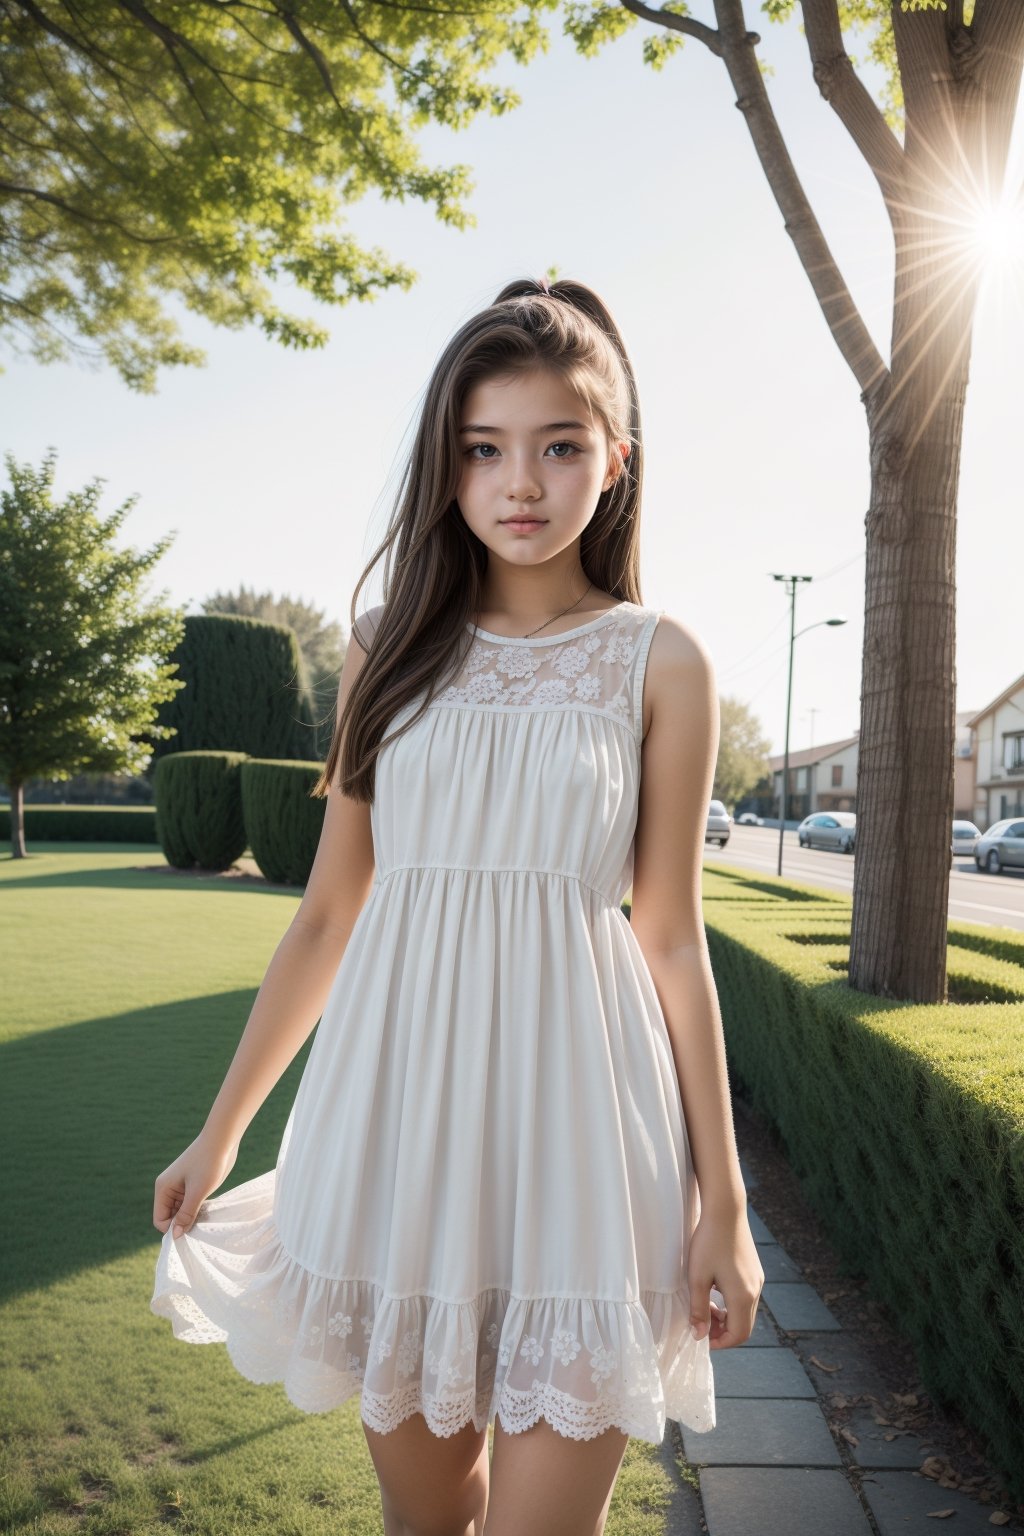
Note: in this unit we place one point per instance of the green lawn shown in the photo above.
(124, 992)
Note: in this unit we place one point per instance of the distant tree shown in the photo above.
(742, 751)
(82, 655)
(320, 639)
(196, 151)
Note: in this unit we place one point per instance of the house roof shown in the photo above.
(1001, 699)
(807, 755)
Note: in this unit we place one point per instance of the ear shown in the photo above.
(615, 465)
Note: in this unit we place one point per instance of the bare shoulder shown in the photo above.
(365, 626)
(679, 674)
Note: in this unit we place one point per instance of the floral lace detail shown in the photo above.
(597, 669)
(582, 1363)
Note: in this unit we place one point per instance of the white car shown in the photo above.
(748, 819)
(965, 837)
(719, 824)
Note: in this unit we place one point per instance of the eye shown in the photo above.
(471, 451)
(573, 449)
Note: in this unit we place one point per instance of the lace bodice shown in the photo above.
(596, 666)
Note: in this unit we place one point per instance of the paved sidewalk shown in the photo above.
(772, 1466)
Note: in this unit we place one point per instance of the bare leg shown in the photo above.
(430, 1485)
(546, 1484)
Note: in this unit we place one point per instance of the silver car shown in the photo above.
(1001, 847)
(828, 829)
(965, 837)
(719, 824)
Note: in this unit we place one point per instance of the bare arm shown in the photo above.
(292, 995)
(679, 754)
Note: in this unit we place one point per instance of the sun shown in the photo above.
(998, 233)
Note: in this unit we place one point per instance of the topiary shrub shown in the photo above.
(199, 821)
(282, 822)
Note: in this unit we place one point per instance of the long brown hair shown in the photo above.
(435, 564)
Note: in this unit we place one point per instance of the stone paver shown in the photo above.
(758, 1231)
(907, 1504)
(777, 1264)
(781, 1501)
(795, 1305)
(763, 1432)
(762, 1336)
(771, 1466)
(760, 1373)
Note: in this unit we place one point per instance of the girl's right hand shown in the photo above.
(184, 1185)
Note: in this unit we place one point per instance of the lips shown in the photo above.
(538, 521)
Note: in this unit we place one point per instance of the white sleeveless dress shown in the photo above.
(484, 1194)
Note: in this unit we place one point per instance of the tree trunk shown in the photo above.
(908, 681)
(908, 711)
(17, 791)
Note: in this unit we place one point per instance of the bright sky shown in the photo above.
(275, 468)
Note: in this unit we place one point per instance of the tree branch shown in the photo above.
(845, 92)
(704, 34)
(86, 214)
(844, 320)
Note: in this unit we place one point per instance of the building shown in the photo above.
(964, 769)
(820, 779)
(998, 732)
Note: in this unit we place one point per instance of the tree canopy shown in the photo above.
(201, 150)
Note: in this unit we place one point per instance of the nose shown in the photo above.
(521, 482)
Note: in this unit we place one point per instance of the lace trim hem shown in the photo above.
(581, 1363)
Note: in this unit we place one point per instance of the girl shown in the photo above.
(509, 1177)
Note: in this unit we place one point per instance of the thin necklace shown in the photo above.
(555, 616)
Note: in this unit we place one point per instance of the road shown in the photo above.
(974, 897)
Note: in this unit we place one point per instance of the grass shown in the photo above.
(126, 988)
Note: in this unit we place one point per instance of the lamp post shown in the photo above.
(791, 582)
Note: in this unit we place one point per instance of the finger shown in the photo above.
(183, 1220)
(165, 1203)
(700, 1310)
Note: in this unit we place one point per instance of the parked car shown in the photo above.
(719, 824)
(1001, 847)
(829, 829)
(965, 837)
(748, 819)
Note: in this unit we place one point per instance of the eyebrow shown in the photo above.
(552, 426)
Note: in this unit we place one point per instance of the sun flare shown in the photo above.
(998, 233)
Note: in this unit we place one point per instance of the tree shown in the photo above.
(81, 654)
(320, 639)
(743, 748)
(196, 150)
(953, 75)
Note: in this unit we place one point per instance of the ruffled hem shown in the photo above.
(583, 1364)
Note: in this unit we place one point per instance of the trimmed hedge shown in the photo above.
(903, 1121)
(84, 823)
(282, 822)
(199, 809)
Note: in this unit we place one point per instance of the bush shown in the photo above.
(83, 824)
(282, 821)
(199, 821)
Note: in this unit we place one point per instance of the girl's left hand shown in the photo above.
(723, 1253)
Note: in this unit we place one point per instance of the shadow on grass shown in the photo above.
(152, 873)
(91, 1113)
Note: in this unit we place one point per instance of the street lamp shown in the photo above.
(791, 588)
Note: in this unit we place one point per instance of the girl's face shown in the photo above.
(530, 449)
